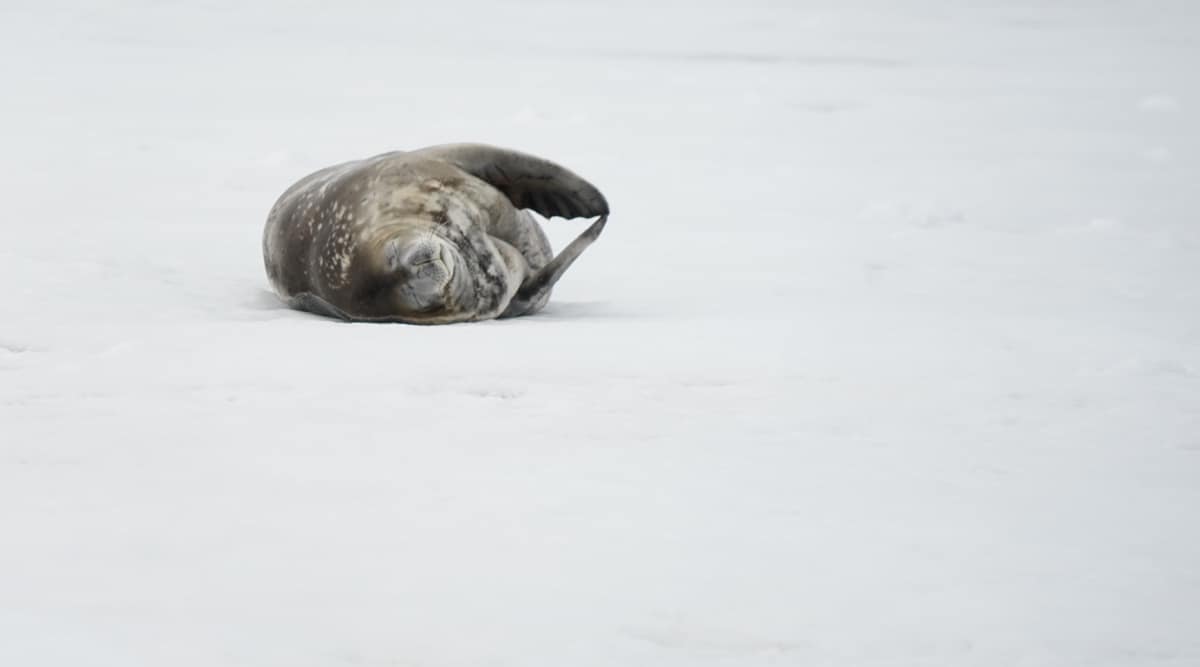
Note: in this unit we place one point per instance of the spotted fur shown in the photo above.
(336, 242)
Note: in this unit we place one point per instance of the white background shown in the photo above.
(890, 354)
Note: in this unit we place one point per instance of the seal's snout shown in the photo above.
(424, 267)
(428, 259)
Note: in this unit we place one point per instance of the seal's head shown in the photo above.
(424, 267)
(421, 274)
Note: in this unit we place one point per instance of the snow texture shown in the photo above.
(890, 354)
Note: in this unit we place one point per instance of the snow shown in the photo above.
(889, 355)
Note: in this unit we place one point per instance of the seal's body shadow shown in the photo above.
(582, 310)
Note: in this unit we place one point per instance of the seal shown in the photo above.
(432, 236)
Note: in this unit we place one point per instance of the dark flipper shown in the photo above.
(315, 304)
(536, 288)
(528, 181)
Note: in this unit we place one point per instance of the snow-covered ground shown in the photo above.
(890, 354)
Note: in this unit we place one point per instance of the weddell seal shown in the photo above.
(431, 236)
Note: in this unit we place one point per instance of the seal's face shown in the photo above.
(425, 268)
(415, 275)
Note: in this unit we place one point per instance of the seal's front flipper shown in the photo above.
(528, 181)
(535, 291)
(314, 304)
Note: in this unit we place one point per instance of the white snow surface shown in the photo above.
(890, 354)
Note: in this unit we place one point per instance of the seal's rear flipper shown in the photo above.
(536, 290)
(528, 181)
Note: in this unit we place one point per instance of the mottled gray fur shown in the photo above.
(431, 236)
